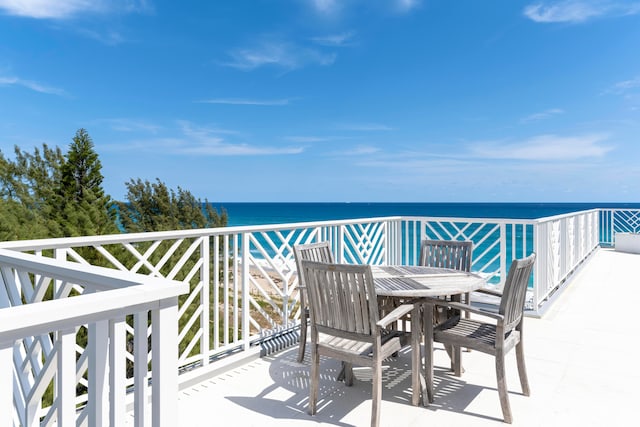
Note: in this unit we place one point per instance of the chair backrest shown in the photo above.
(455, 254)
(342, 299)
(515, 291)
(320, 252)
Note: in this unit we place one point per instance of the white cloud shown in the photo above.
(280, 54)
(29, 84)
(240, 101)
(327, 7)
(339, 40)
(203, 141)
(61, 9)
(109, 38)
(131, 125)
(407, 5)
(307, 139)
(542, 115)
(625, 86)
(359, 150)
(54, 9)
(191, 139)
(544, 147)
(576, 11)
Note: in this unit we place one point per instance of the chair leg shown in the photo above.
(456, 360)
(522, 369)
(315, 379)
(303, 336)
(416, 386)
(428, 353)
(376, 394)
(502, 387)
(347, 370)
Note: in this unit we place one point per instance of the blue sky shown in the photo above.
(328, 100)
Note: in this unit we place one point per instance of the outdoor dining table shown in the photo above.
(415, 282)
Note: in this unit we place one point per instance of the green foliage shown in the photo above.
(85, 209)
(29, 203)
(154, 207)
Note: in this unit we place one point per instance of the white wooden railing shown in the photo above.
(77, 340)
(242, 284)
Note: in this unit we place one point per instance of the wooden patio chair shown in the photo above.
(320, 252)
(345, 325)
(496, 338)
(456, 255)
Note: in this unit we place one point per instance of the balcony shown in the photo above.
(576, 376)
(152, 316)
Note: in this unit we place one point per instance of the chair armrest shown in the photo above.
(465, 307)
(489, 292)
(397, 314)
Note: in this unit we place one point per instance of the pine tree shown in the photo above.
(86, 210)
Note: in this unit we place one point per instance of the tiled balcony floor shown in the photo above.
(582, 359)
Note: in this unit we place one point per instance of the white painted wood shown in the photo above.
(66, 377)
(205, 279)
(6, 383)
(165, 360)
(98, 348)
(628, 242)
(141, 410)
(117, 372)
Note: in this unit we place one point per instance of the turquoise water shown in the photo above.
(278, 213)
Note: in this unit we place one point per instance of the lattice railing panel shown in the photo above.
(35, 357)
(273, 282)
(487, 238)
(364, 243)
(627, 221)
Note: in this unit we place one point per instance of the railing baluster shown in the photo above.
(205, 300)
(141, 369)
(66, 377)
(117, 371)
(6, 381)
(164, 321)
(98, 347)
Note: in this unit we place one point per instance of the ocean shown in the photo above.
(246, 213)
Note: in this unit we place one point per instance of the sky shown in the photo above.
(334, 100)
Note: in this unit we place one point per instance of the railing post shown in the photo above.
(164, 347)
(246, 306)
(205, 278)
(340, 244)
(141, 368)
(6, 383)
(117, 371)
(503, 253)
(66, 378)
(537, 268)
(98, 348)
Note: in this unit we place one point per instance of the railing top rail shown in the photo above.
(100, 278)
(44, 317)
(65, 242)
(469, 219)
(566, 215)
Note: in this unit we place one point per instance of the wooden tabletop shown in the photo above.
(417, 281)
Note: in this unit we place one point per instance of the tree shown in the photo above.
(154, 207)
(28, 194)
(86, 210)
